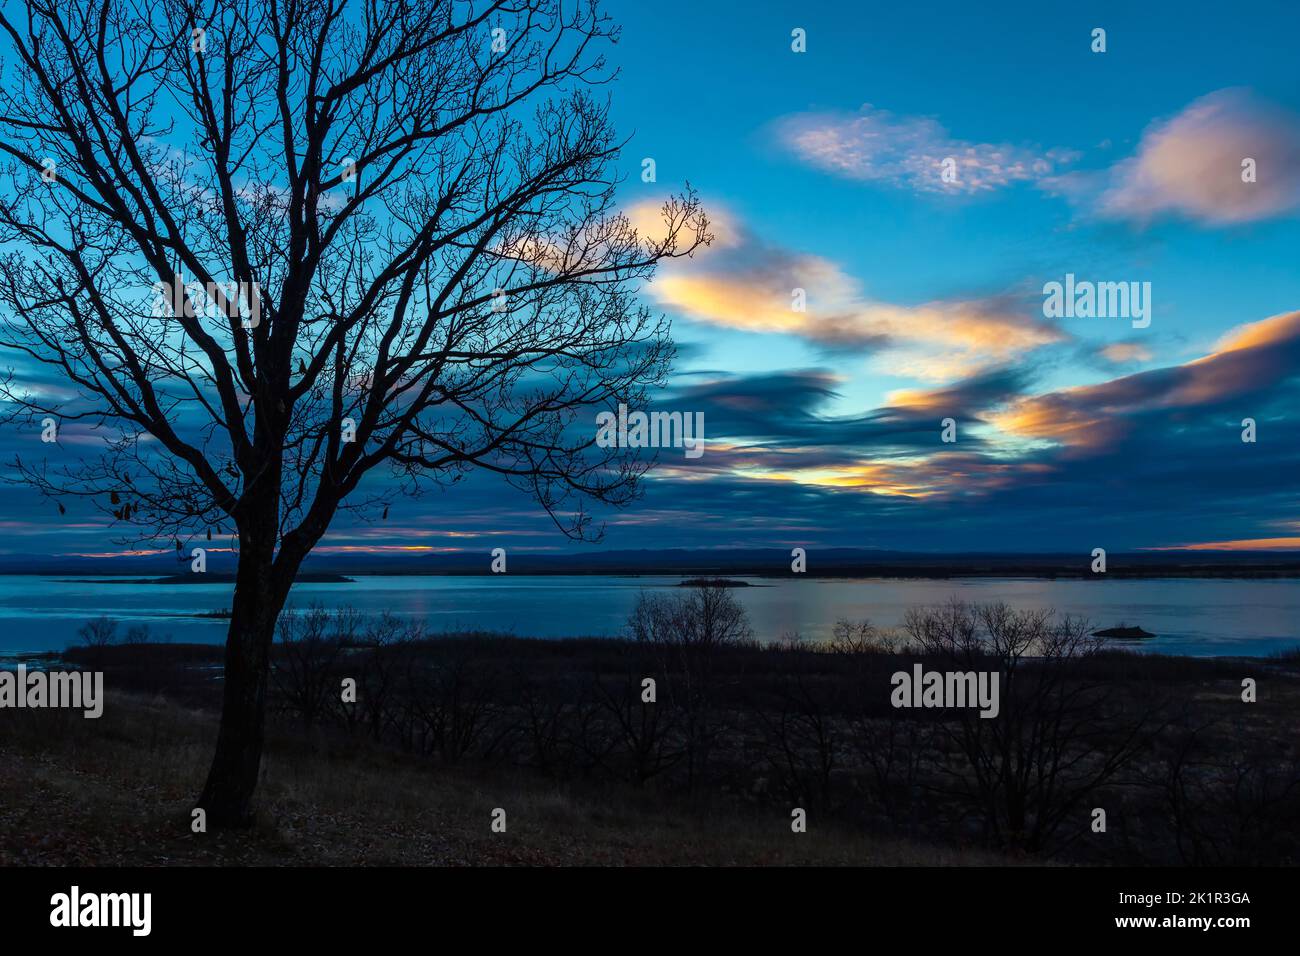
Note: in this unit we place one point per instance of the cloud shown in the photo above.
(752, 285)
(648, 219)
(968, 397)
(1246, 362)
(773, 428)
(1191, 165)
(1188, 166)
(1132, 462)
(1240, 544)
(874, 145)
(1120, 463)
(1122, 353)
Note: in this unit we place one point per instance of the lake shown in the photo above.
(1190, 616)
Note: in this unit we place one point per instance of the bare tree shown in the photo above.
(801, 742)
(274, 245)
(686, 633)
(303, 670)
(1059, 735)
(704, 619)
(100, 632)
(1230, 797)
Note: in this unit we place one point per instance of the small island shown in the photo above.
(712, 583)
(1123, 633)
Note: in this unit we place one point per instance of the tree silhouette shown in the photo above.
(261, 248)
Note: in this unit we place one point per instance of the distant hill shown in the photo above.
(306, 577)
(732, 562)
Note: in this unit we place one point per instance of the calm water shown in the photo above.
(1200, 617)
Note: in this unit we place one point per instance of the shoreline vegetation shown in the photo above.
(559, 732)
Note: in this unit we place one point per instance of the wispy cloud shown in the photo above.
(874, 145)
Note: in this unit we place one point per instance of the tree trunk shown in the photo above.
(227, 797)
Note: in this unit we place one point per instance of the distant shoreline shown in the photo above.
(884, 572)
(727, 563)
(74, 578)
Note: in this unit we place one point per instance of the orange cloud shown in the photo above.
(1239, 544)
(745, 284)
(648, 219)
(1122, 353)
(1244, 360)
(1266, 332)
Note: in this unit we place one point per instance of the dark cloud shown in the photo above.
(1149, 459)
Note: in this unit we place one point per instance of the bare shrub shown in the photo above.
(309, 645)
(863, 637)
(1228, 801)
(455, 703)
(137, 634)
(1058, 735)
(643, 731)
(704, 618)
(802, 741)
(97, 633)
(686, 631)
(549, 719)
(892, 750)
(378, 662)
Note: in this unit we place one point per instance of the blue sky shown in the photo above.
(1122, 132)
(702, 87)
(822, 171)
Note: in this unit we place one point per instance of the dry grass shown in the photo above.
(117, 791)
